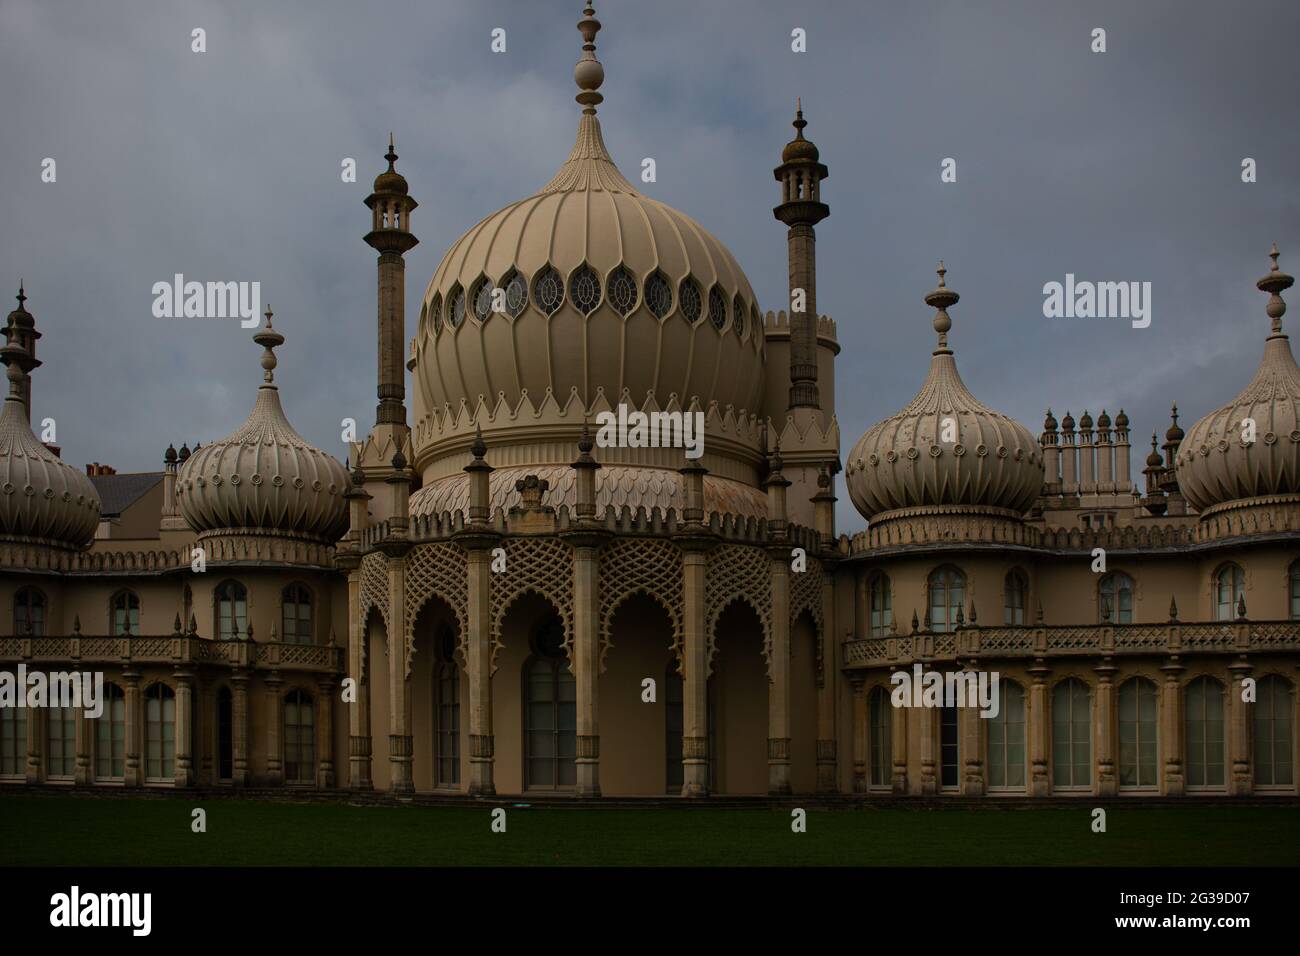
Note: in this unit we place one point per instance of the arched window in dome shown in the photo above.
(232, 611)
(1115, 599)
(548, 290)
(658, 295)
(717, 308)
(295, 603)
(435, 313)
(947, 594)
(125, 611)
(456, 312)
(584, 289)
(483, 299)
(1015, 594)
(738, 316)
(1229, 589)
(622, 291)
(516, 287)
(688, 300)
(29, 612)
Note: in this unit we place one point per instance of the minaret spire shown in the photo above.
(1275, 283)
(20, 331)
(800, 175)
(588, 73)
(941, 299)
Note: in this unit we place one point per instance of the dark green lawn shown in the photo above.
(57, 830)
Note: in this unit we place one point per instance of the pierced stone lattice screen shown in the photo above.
(541, 566)
(435, 570)
(646, 567)
(737, 572)
(375, 593)
(806, 595)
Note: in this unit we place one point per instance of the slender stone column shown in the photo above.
(929, 744)
(84, 774)
(132, 777)
(1239, 713)
(239, 729)
(970, 727)
(1172, 742)
(826, 678)
(778, 691)
(1039, 716)
(1069, 458)
(898, 744)
(184, 762)
(586, 658)
(274, 729)
(1107, 781)
(325, 733)
(478, 666)
(360, 746)
(695, 671)
(399, 713)
(861, 731)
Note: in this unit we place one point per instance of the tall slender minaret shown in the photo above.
(390, 235)
(21, 331)
(800, 175)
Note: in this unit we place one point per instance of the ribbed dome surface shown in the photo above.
(265, 477)
(944, 448)
(42, 497)
(589, 217)
(1216, 465)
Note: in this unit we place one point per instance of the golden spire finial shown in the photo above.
(588, 72)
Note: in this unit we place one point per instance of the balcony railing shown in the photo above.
(170, 649)
(1235, 637)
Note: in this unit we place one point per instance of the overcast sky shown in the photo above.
(1124, 165)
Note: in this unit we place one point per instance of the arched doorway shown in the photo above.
(439, 705)
(739, 685)
(636, 736)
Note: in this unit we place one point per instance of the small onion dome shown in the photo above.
(390, 180)
(1104, 420)
(265, 478)
(1121, 420)
(1216, 463)
(43, 499)
(1175, 433)
(800, 149)
(184, 454)
(1154, 460)
(1067, 423)
(905, 462)
(169, 456)
(1085, 423)
(1049, 423)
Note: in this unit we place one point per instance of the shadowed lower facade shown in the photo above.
(485, 602)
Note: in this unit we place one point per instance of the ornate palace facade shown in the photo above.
(488, 603)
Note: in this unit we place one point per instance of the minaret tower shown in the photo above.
(800, 175)
(390, 235)
(21, 331)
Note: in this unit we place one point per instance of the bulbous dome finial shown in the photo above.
(588, 73)
(799, 148)
(941, 299)
(390, 180)
(1275, 283)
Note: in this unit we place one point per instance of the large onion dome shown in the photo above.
(43, 499)
(1216, 463)
(265, 478)
(945, 449)
(595, 285)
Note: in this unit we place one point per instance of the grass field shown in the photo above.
(56, 830)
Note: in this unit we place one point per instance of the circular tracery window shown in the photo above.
(516, 295)
(738, 316)
(483, 300)
(457, 308)
(717, 308)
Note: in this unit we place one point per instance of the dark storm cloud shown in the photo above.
(225, 165)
